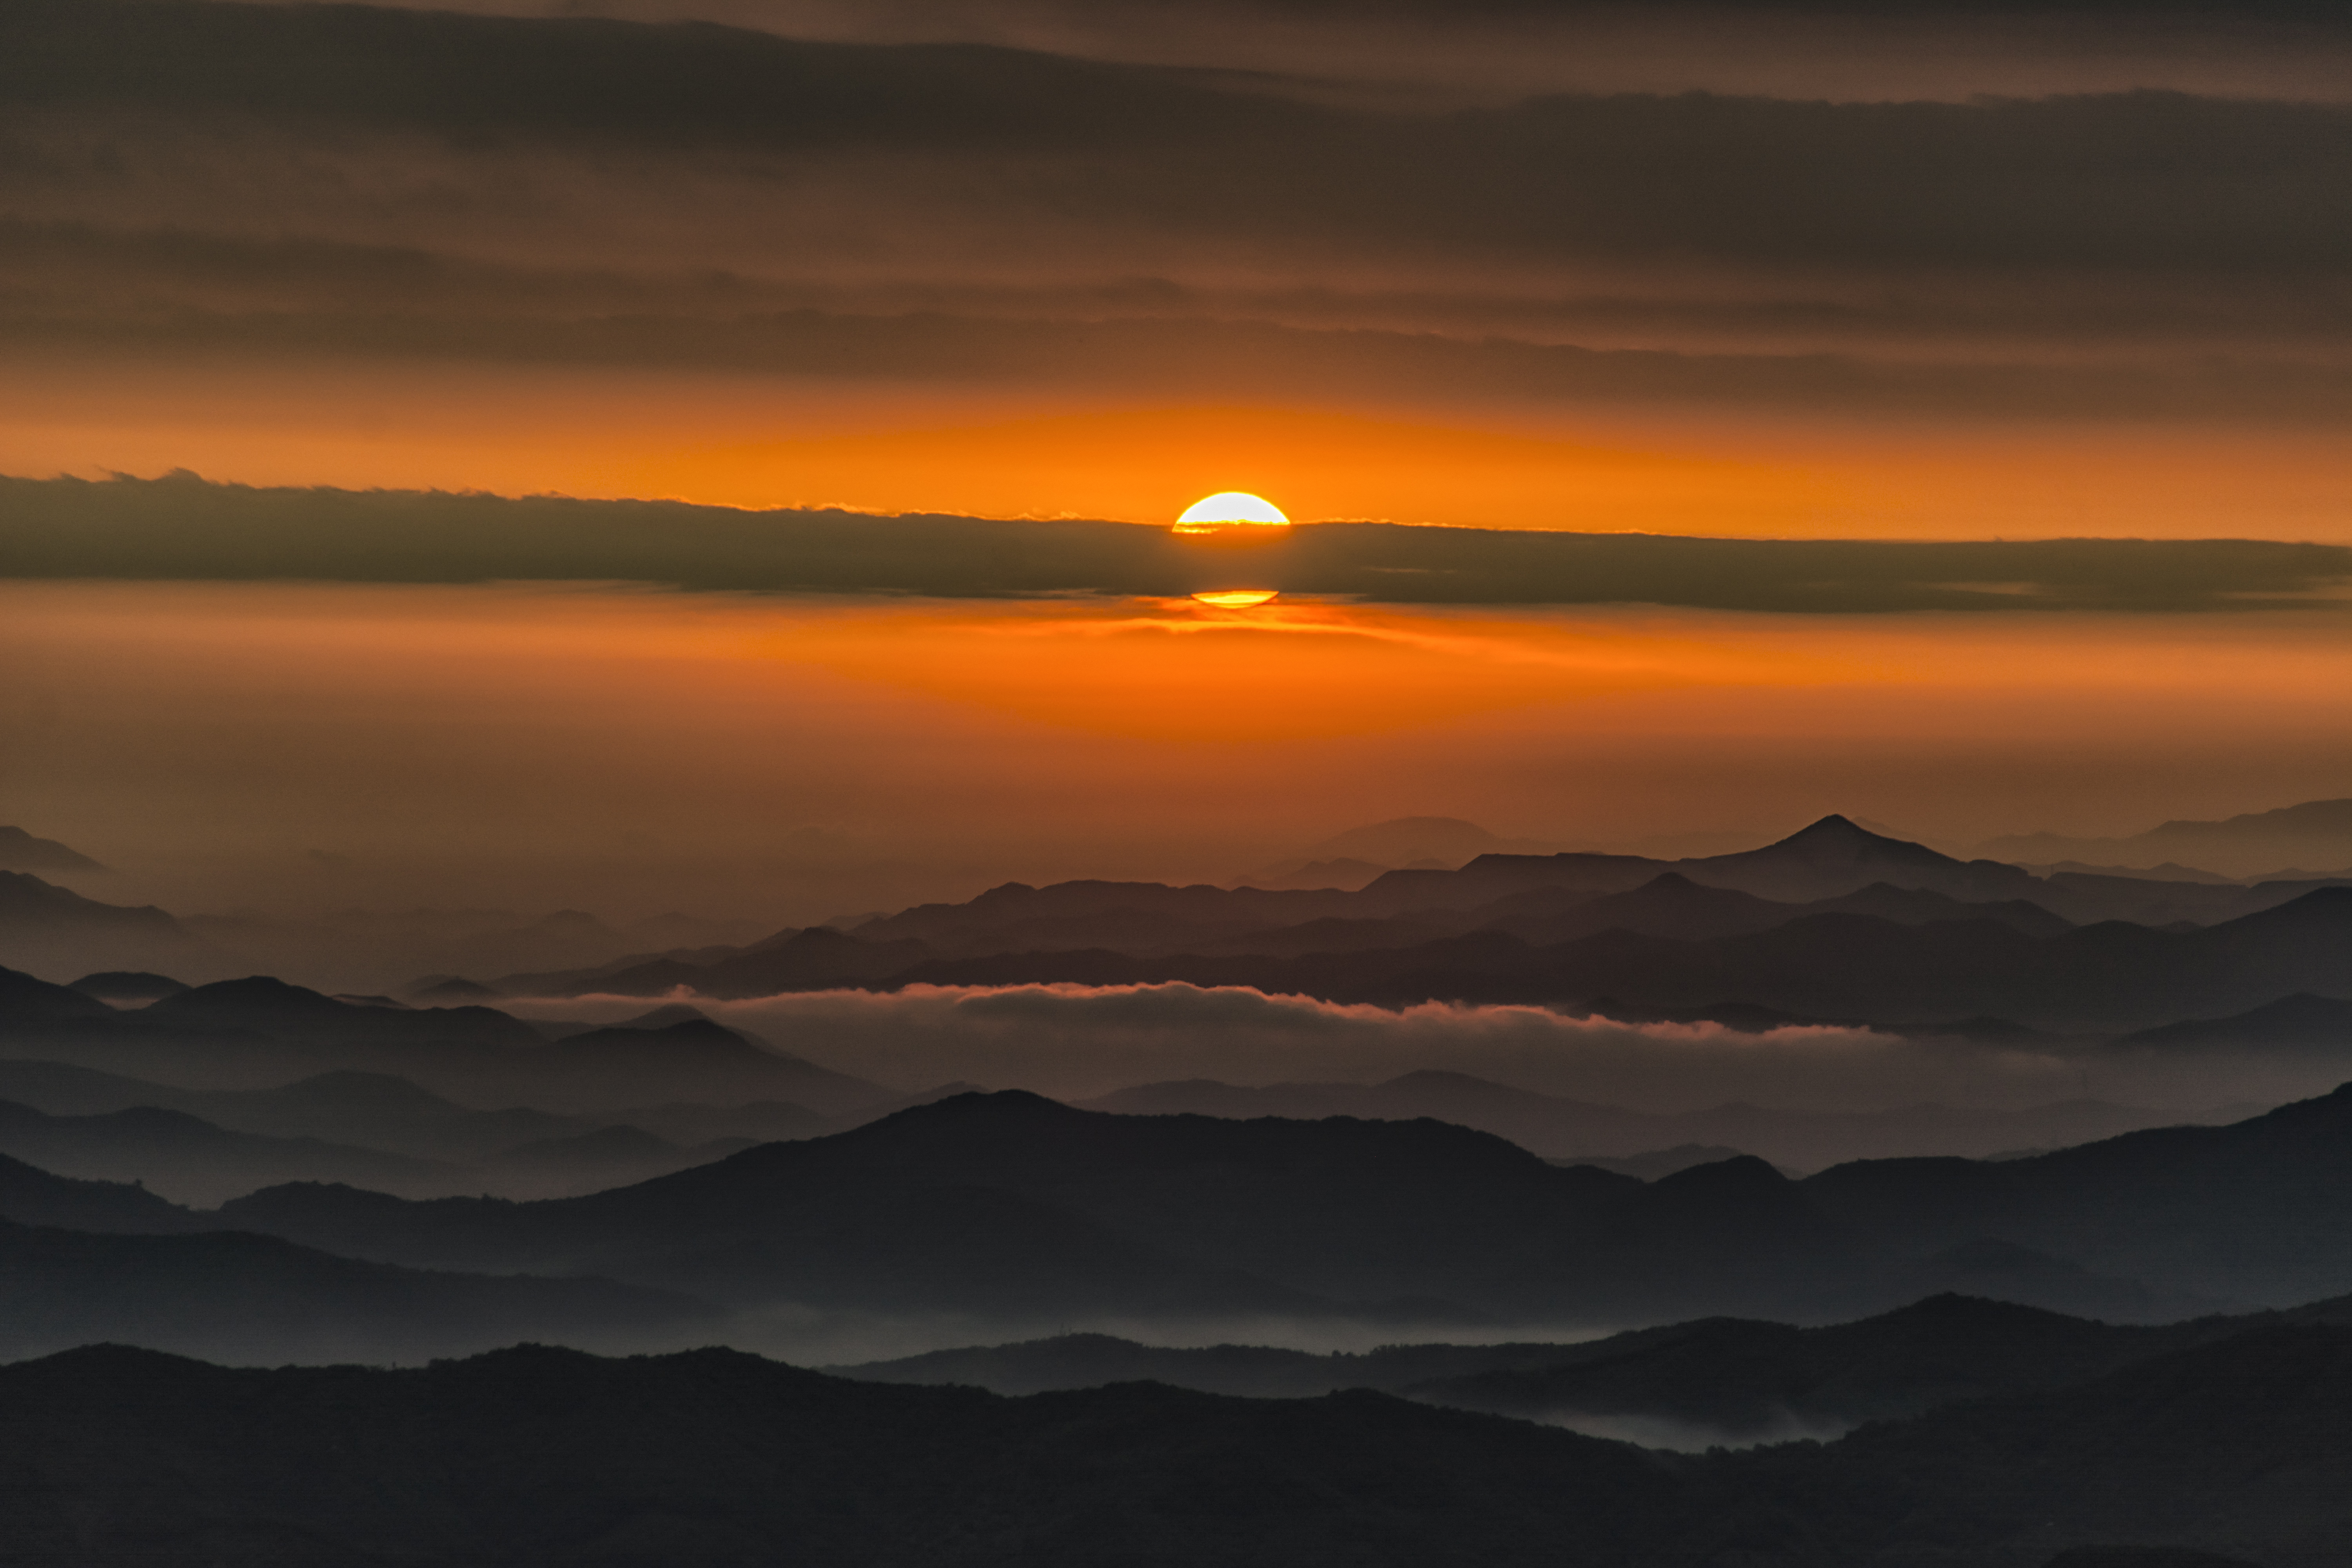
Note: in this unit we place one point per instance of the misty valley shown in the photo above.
(1406, 1219)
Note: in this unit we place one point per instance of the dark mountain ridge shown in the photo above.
(1565, 1129)
(1832, 924)
(1006, 1201)
(712, 1457)
(241, 1297)
(1737, 1379)
(1830, 967)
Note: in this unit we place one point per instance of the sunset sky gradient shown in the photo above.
(1765, 273)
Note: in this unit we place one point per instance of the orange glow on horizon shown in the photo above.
(489, 718)
(750, 443)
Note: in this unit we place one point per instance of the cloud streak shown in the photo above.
(1079, 1041)
(368, 183)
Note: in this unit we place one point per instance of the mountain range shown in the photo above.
(1007, 1206)
(2317, 833)
(1728, 1380)
(1564, 1128)
(1834, 923)
(712, 1457)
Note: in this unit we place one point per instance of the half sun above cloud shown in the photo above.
(1230, 508)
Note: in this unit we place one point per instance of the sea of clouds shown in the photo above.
(1075, 1042)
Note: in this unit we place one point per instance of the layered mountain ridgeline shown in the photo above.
(2314, 835)
(83, 1261)
(1571, 1130)
(1722, 1379)
(385, 1131)
(712, 1457)
(245, 1297)
(189, 1159)
(54, 930)
(260, 1032)
(20, 851)
(1827, 967)
(1012, 1208)
(1833, 924)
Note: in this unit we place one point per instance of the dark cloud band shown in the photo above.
(182, 529)
(2143, 180)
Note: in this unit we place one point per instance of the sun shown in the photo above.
(1238, 598)
(1230, 508)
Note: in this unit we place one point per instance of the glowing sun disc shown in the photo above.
(1237, 598)
(1227, 509)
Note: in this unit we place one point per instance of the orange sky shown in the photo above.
(767, 442)
(649, 749)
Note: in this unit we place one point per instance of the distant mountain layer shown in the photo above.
(534, 1455)
(122, 1129)
(1833, 924)
(262, 1028)
(253, 1298)
(46, 927)
(1828, 967)
(1559, 1128)
(2315, 836)
(1009, 1206)
(20, 851)
(1723, 1378)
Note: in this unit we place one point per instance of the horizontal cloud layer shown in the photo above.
(2139, 180)
(1076, 1042)
(1079, 1041)
(182, 528)
(226, 179)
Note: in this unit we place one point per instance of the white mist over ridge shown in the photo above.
(1077, 1041)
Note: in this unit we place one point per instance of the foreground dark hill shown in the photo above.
(1009, 1205)
(533, 1455)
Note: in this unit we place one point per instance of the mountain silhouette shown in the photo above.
(1006, 1203)
(1733, 1379)
(24, 1000)
(20, 851)
(191, 1160)
(2301, 1021)
(253, 1298)
(813, 959)
(2317, 833)
(32, 1196)
(262, 1005)
(535, 1454)
(46, 927)
(1827, 967)
(1832, 924)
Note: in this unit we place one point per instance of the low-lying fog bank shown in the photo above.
(1077, 1042)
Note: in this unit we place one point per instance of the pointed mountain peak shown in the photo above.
(1837, 827)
